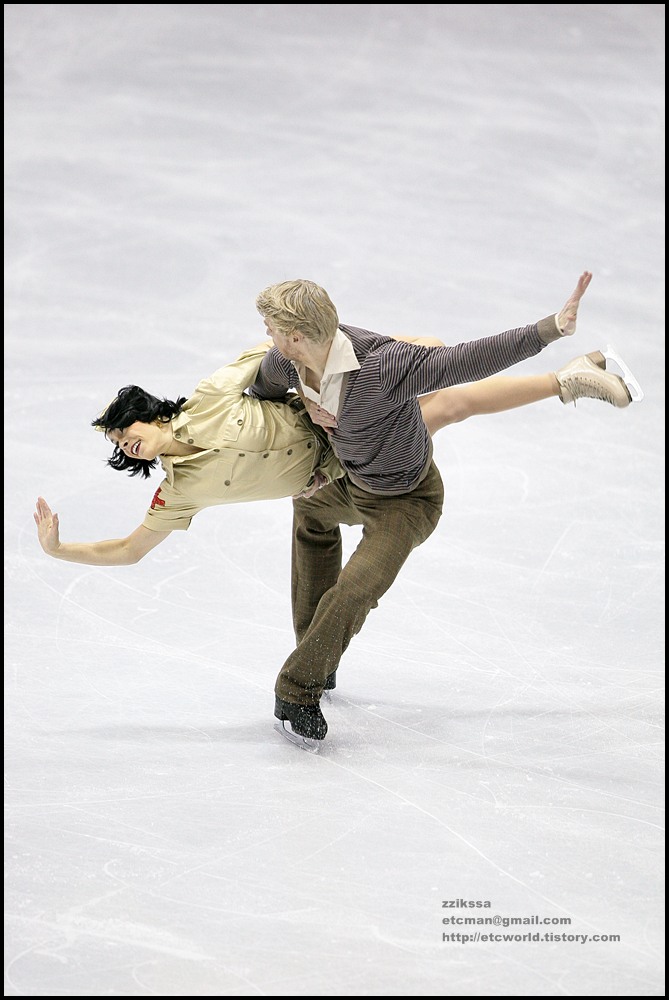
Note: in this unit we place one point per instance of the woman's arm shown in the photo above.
(113, 552)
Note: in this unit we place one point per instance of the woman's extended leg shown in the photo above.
(489, 395)
(583, 378)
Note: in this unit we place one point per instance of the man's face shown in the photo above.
(284, 342)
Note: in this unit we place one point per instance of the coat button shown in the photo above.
(290, 451)
(190, 440)
(266, 455)
(217, 449)
(242, 454)
(178, 434)
(240, 422)
(227, 482)
(308, 444)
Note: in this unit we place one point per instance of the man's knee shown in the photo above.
(411, 525)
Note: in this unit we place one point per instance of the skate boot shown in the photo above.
(330, 681)
(307, 723)
(587, 377)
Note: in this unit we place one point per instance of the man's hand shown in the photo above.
(566, 318)
(319, 416)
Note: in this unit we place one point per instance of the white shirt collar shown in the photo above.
(341, 359)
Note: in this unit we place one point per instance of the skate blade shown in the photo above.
(633, 387)
(303, 742)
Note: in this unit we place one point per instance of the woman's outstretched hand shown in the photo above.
(47, 527)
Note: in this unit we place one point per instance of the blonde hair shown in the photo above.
(299, 306)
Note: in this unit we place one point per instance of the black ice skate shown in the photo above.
(307, 724)
(330, 681)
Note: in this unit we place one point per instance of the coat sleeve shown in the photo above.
(275, 377)
(233, 379)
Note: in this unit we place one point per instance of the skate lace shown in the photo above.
(581, 386)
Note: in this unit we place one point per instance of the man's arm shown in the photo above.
(407, 370)
(421, 341)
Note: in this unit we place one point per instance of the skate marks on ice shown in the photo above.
(379, 738)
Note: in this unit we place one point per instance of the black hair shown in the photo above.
(131, 404)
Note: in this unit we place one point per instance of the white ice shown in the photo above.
(497, 731)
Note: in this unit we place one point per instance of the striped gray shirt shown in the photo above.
(381, 439)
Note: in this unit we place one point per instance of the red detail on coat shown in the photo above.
(156, 500)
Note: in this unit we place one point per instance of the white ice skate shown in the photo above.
(587, 377)
(633, 387)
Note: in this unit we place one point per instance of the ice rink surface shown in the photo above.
(497, 731)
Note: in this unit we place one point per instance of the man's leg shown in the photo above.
(340, 602)
(316, 532)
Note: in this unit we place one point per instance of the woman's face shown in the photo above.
(140, 440)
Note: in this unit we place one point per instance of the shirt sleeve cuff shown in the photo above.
(549, 330)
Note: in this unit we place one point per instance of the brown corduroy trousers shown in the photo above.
(331, 602)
